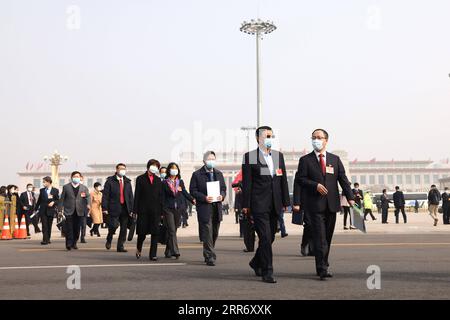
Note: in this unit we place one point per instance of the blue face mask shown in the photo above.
(317, 144)
(210, 164)
(163, 175)
(268, 143)
(76, 180)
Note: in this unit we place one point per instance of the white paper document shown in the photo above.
(213, 189)
(358, 218)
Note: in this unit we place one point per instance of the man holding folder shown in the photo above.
(209, 190)
(318, 175)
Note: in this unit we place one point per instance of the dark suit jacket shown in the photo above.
(172, 201)
(399, 199)
(260, 189)
(23, 199)
(310, 175)
(385, 201)
(199, 191)
(148, 204)
(71, 203)
(445, 201)
(44, 200)
(359, 199)
(111, 196)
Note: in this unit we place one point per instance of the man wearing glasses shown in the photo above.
(265, 194)
(318, 175)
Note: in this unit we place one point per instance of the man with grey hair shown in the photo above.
(209, 209)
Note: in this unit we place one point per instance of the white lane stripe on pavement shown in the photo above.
(96, 266)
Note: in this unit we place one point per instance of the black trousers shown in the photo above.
(209, 233)
(72, 229)
(266, 224)
(322, 225)
(118, 222)
(29, 221)
(47, 222)
(368, 211)
(347, 214)
(397, 211)
(153, 244)
(83, 221)
(95, 229)
(446, 215)
(307, 238)
(384, 215)
(248, 232)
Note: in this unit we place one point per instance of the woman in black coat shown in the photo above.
(173, 193)
(148, 208)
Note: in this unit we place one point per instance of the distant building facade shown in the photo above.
(412, 176)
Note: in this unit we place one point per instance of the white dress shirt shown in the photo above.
(318, 156)
(269, 161)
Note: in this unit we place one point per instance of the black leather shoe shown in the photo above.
(74, 247)
(177, 256)
(210, 263)
(246, 250)
(108, 245)
(325, 274)
(303, 251)
(122, 250)
(44, 243)
(83, 241)
(154, 258)
(284, 235)
(268, 279)
(68, 248)
(258, 271)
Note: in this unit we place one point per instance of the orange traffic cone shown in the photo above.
(23, 229)
(16, 229)
(6, 234)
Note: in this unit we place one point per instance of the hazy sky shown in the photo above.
(128, 79)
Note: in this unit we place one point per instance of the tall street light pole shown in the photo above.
(258, 28)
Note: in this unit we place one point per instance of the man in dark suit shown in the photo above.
(117, 202)
(307, 244)
(399, 204)
(75, 204)
(27, 205)
(209, 210)
(46, 206)
(446, 206)
(359, 195)
(318, 175)
(246, 225)
(265, 195)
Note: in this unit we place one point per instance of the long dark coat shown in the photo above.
(148, 204)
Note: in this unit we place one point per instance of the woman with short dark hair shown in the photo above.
(148, 208)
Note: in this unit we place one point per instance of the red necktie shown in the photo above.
(322, 164)
(122, 198)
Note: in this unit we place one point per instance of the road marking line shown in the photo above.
(393, 244)
(97, 266)
(92, 249)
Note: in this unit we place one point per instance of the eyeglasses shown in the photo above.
(318, 138)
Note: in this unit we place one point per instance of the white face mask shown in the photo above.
(122, 173)
(30, 189)
(154, 169)
(317, 144)
(173, 172)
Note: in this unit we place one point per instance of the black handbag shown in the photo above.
(297, 217)
(89, 221)
(162, 237)
(132, 228)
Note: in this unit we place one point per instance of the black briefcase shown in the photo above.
(162, 237)
(131, 228)
(297, 217)
(89, 221)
